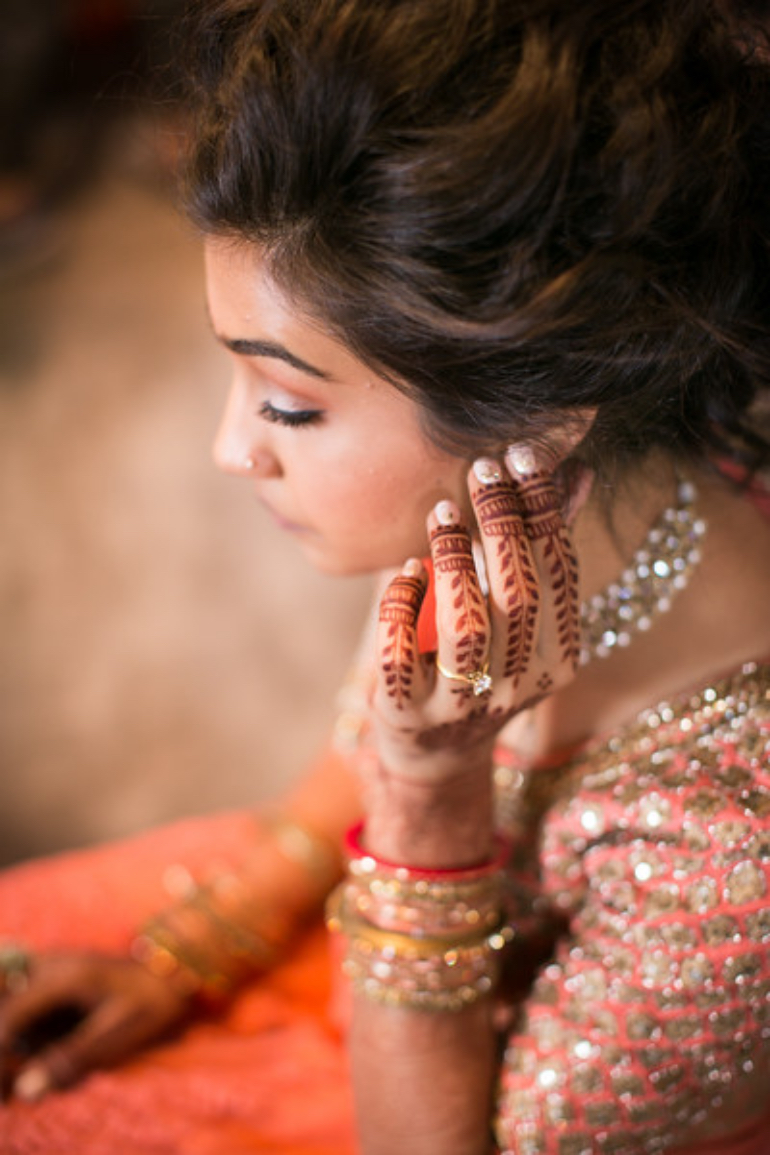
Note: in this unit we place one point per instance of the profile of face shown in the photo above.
(334, 452)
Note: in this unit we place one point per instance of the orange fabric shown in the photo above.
(268, 1076)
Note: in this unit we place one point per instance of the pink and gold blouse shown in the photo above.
(646, 859)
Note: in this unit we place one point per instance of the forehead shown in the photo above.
(246, 304)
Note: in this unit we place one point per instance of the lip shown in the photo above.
(282, 522)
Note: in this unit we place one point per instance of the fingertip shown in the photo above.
(521, 461)
(487, 471)
(413, 568)
(446, 513)
(32, 1084)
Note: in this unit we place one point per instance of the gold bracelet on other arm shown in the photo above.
(220, 934)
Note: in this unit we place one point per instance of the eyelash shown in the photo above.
(294, 419)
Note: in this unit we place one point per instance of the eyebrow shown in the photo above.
(246, 347)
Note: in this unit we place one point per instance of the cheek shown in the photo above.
(395, 502)
(388, 492)
(373, 502)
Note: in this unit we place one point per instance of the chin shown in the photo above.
(334, 565)
(341, 565)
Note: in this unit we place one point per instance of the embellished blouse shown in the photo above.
(640, 877)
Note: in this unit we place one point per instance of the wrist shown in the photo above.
(434, 826)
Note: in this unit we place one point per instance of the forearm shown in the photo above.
(423, 1078)
(241, 916)
(327, 799)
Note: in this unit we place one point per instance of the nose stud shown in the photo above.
(249, 464)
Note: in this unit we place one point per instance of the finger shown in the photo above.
(514, 588)
(115, 1028)
(398, 655)
(461, 613)
(102, 1038)
(21, 1011)
(29, 1015)
(559, 631)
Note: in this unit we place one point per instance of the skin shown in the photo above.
(363, 461)
(362, 489)
(409, 496)
(428, 796)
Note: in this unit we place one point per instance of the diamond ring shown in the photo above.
(480, 681)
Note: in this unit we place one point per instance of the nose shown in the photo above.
(241, 448)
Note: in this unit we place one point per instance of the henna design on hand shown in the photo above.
(545, 524)
(452, 555)
(499, 517)
(477, 726)
(399, 608)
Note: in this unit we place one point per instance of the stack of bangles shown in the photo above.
(220, 934)
(423, 939)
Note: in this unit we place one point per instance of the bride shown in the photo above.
(493, 277)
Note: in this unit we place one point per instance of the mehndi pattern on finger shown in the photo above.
(545, 524)
(499, 518)
(399, 608)
(452, 555)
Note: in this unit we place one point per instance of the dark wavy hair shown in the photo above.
(514, 209)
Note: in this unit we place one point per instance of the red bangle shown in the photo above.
(368, 863)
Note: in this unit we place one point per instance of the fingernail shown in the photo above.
(521, 459)
(32, 1084)
(412, 568)
(447, 513)
(487, 471)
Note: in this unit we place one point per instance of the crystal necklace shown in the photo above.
(659, 569)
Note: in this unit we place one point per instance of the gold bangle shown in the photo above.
(339, 920)
(422, 972)
(304, 847)
(168, 960)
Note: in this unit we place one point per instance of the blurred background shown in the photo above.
(165, 650)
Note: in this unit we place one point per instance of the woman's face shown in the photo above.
(335, 452)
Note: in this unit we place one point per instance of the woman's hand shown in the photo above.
(435, 718)
(428, 794)
(71, 1013)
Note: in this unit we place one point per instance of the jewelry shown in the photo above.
(201, 949)
(318, 856)
(426, 909)
(363, 863)
(216, 935)
(480, 681)
(435, 973)
(249, 464)
(423, 903)
(659, 570)
(14, 966)
(426, 939)
(168, 960)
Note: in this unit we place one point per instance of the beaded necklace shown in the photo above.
(660, 568)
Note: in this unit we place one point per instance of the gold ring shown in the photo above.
(480, 681)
